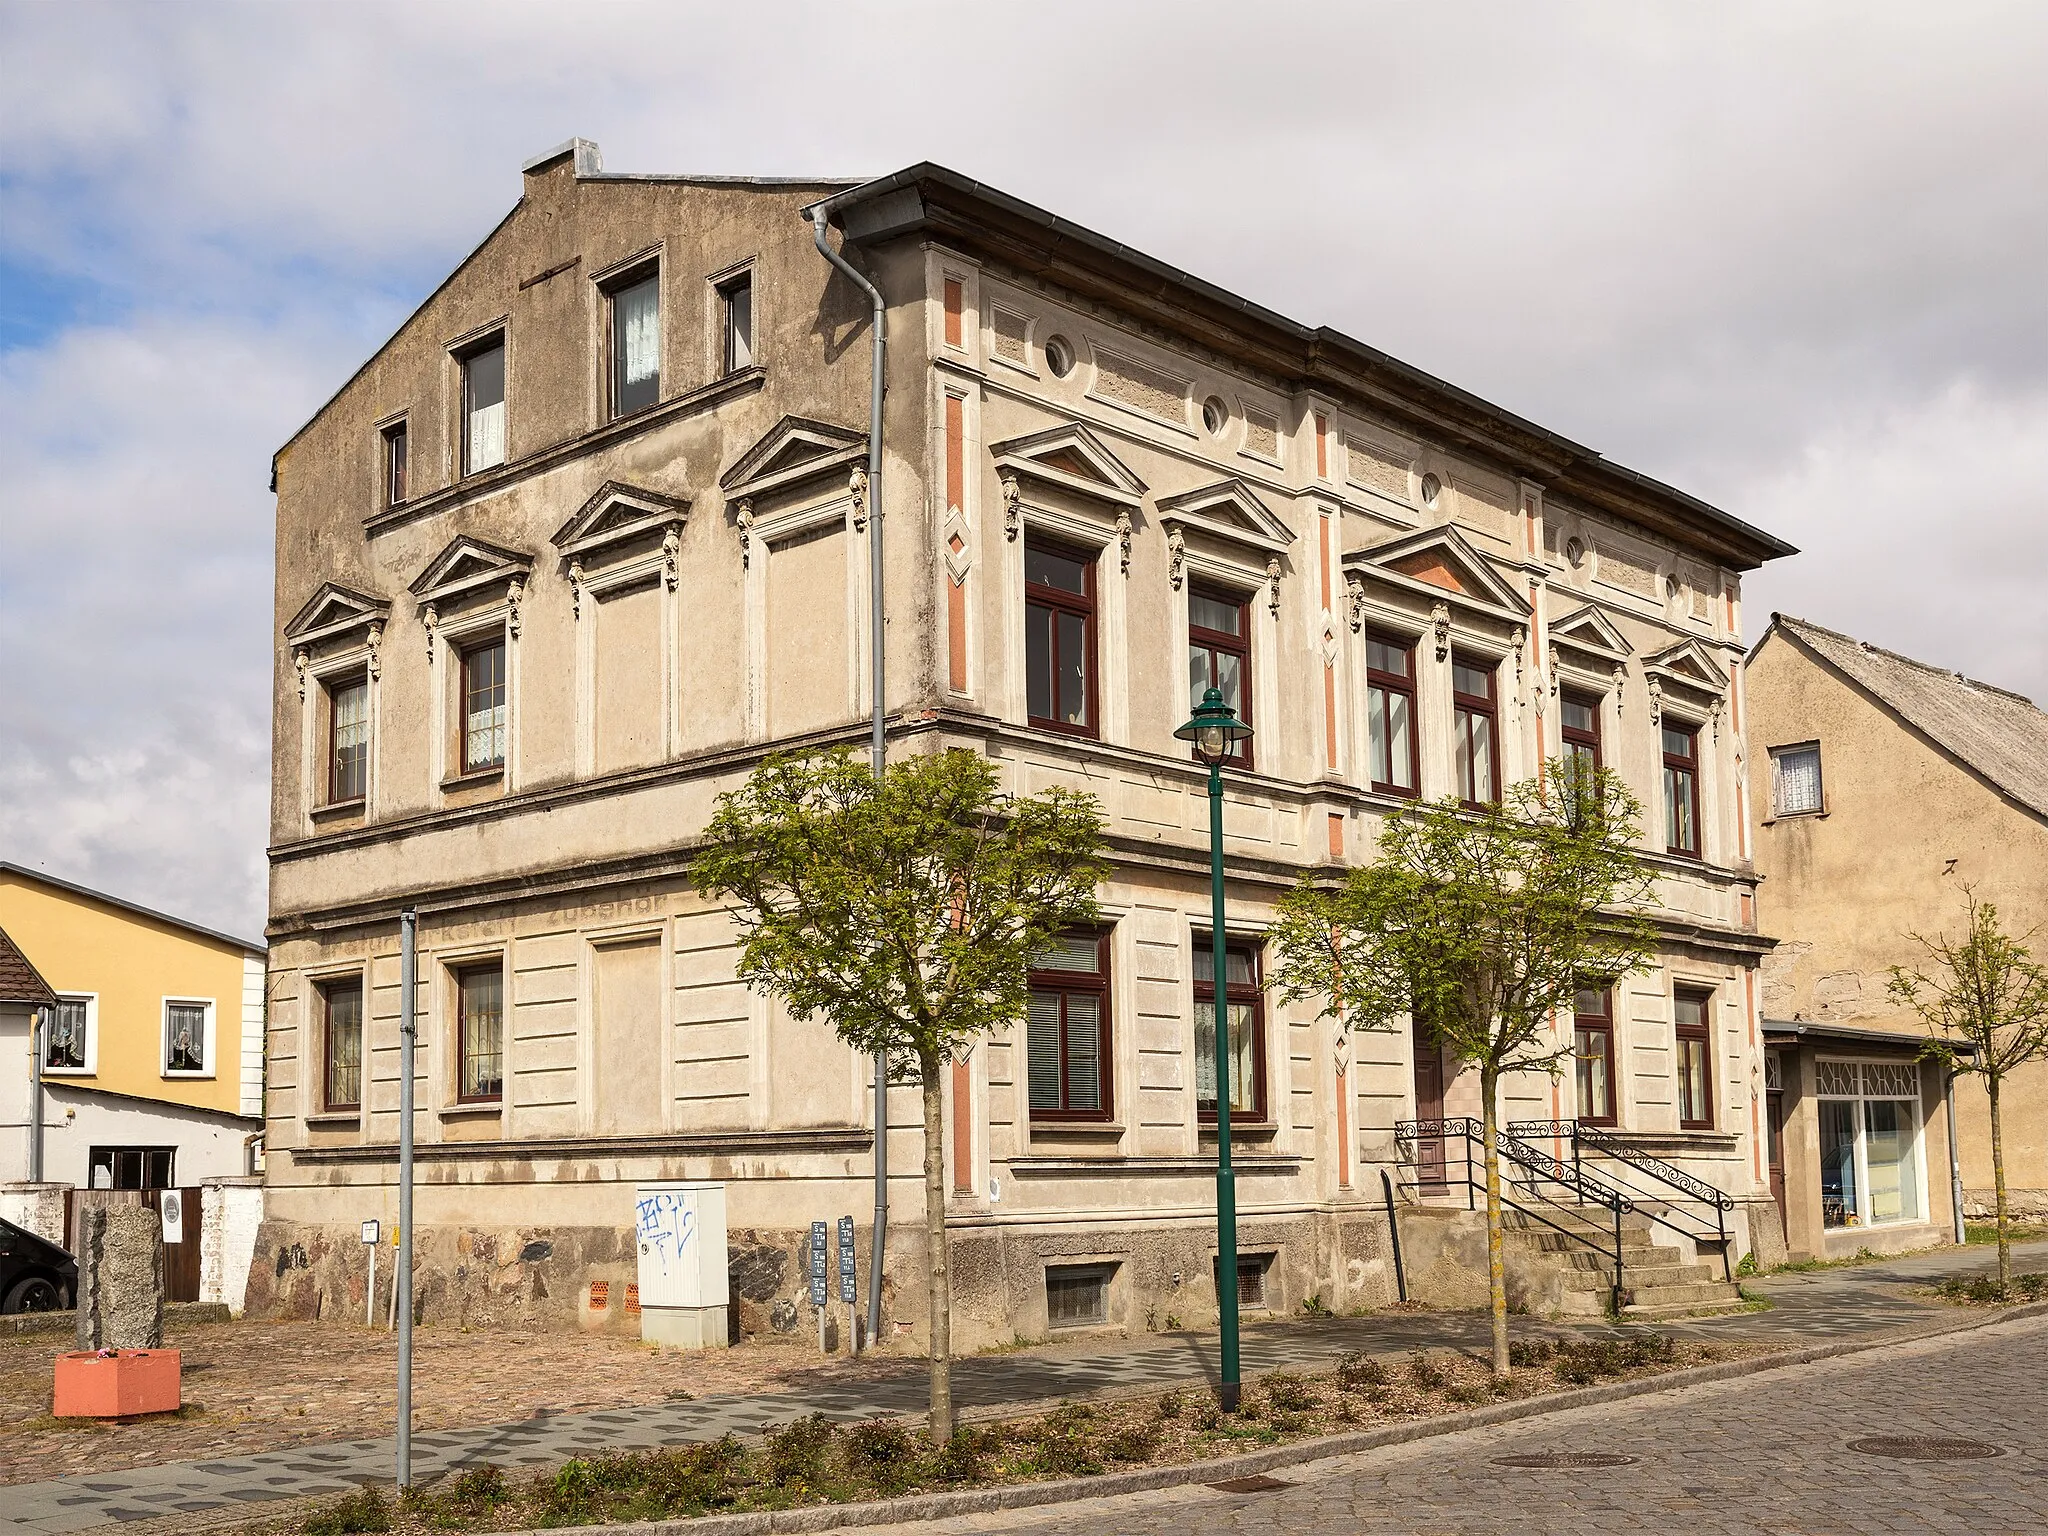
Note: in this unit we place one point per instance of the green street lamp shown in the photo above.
(1216, 731)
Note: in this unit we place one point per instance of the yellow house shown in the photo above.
(149, 1067)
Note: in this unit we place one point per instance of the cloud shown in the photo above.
(1785, 257)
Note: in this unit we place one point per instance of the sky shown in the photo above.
(1788, 257)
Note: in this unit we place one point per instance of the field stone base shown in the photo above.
(120, 1278)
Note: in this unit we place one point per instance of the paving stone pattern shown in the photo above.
(1809, 1308)
(1765, 1453)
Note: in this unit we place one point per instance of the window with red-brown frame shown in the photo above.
(1682, 789)
(1390, 709)
(1476, 731)
(1579, 726)
(1220, 657)
(348, 740)
(1593, 1055)
(1059, 638)
(480, 1033)
(341, 1046)
(1245, 1004)
(1694, 1044)
(1067, 1031)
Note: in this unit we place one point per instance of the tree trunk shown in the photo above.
(1998, 1188)
(932, 1073)
(1496, 1257)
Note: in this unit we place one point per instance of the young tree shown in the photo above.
(1481, 925)
(1986, 1011)
(905, 913)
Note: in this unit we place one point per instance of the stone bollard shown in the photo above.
(120, 1278)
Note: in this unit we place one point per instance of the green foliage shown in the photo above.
(965, 1456)
(1169, 1405)
(1425, 1372)
(350, 1515)
(904, 913)
(1314, 1306)
(1361, 1373)
(796, 1450)
(1289, 1393)
(1986, 1289)
(1482, 924)
(880, 1454)
(1748, 1266)
(1065, 1443)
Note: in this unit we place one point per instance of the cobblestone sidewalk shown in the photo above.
(1808, 1308)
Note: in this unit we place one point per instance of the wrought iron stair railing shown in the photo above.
(1661, 1192)
(1528, 1176)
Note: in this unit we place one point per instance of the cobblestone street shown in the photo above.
(1766, 1453)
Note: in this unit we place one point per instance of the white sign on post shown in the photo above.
(371, 1233)
(171, 1204)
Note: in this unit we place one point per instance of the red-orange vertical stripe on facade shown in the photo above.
(1336, 836)
(1322, 445)
(956, 495)
(963, 1130)
(1343, 1129)
(952, 312)
(1756, 1147)
(1329, 667)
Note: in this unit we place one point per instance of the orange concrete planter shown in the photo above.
(113, 1386)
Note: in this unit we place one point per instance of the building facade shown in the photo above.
(1883, 786)
(590, 536)
(147, 1064)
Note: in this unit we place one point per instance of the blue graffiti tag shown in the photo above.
(666, 1226)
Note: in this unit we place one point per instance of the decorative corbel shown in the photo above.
(1176, 555)
(743, 520)
(671, 547)
(1656, 701)
(575, 589)
(376, 662)
(300, 660)
(1013, 510)
(1123, 537)
(857, 487)
(515, 594)
(430, 616)
(1273, 586)
(1440, 622)
(1355, 590)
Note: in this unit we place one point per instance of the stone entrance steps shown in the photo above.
(1658, 1282)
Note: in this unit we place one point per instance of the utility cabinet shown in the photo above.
(679, 1230)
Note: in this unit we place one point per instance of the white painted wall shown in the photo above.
(230, 1212)
(75, 1120)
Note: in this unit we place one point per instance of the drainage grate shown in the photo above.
(1564, 1459)
(1924, 1448)
(1258, 1482)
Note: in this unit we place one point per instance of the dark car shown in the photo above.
(35, 1276)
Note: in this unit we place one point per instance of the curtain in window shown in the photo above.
(351, 741)
(344, 1047)
(185, 1037)
(483, 1033)
(1243, 1084)
(637, 315)
(64, 1049)
(1888, 1154)
(1798, 781)
(484, 383)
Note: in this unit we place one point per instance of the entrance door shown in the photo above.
(1774, 1133)
(1429, 1105)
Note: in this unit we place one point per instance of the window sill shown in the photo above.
(1076, 1130)
(474, 777)
(336, 810)
(49, 1072)
(466, 1111)
(188, 1077)
(1261, 1129)
(1773, 820)
(330, 1119)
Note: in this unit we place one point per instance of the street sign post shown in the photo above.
(847, 1290)
(820, 1237)
(372, 1234)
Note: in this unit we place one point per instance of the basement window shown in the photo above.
(1251, 1278)
(1077, 1296)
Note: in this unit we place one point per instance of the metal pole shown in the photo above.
(1394, 1235)
(1226, 1180)
(1955, 1162)
(401, 1279)
(877, 746)
(370, 1292)
(38, 1026)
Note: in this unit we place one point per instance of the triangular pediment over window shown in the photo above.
(618, 513)
(468, 565)
(1230, 510)
(1073, 458)
(1438, 561)
(334, 611)
(1688, 662)
(794, 450)
(1589, 630)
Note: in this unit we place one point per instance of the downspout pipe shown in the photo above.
(877, 747)
(38, 1027)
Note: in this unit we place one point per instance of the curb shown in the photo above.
(939, 1506)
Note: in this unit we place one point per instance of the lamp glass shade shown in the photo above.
(1214, 729)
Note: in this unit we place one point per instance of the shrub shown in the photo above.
(1169, 1405)
(1425, 1372)
(1289, 1393)
(476, 1490)
(691, 1478)
(1530, 1351)
(1208, 1414)
(1361, 1373)
(1063, 1447)
(1467, 1393)
(796, 1450)
(364, 1510)
(879, 1454)
(964, 1458)
(1134, 1442)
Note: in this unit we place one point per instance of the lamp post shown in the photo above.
(1215, 730)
